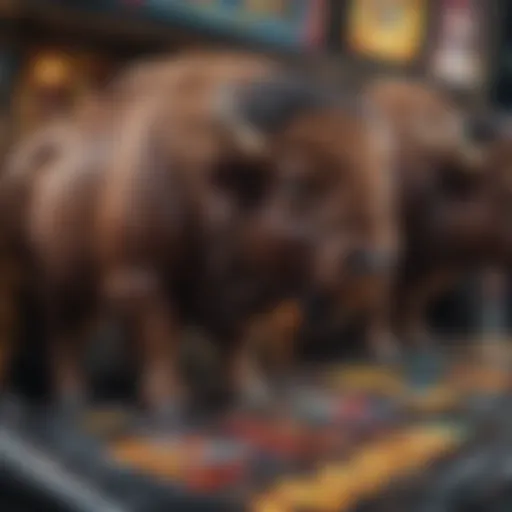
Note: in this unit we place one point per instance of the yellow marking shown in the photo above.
(338, 487)
(438, 399)
(154, 459)
(367, 379)
(268, 503)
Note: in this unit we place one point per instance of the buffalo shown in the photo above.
(47, 197)
(449, 203)
(307, 204)
(204, 189)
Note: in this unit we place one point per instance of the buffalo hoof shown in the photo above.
(162, 419)
(388, 353)
(256, 394)
(423, 342)
(285, 386)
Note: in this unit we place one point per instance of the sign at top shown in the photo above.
(289, 23)
(282, 23)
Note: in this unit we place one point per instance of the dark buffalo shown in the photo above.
(289, 191)
(449, 204)
(48, 193)
(208, 189)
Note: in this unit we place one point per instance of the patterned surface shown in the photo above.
(342, 439)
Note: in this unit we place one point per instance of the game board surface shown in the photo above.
(343, 437)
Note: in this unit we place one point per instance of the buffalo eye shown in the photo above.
(245, 184)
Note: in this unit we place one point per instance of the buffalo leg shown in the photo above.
(68, 321)
(6, 346)
(275, 334)
(156, 327)
(10, 315)
(136, 294)
(415, 301)
(246, 375)
(380, 339)
(285, 320)
(242, 376)
(66, 354)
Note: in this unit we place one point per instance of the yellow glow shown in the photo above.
(391, 30)
(51, 70)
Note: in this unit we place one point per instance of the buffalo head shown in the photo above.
(328, 209)
(427, 124)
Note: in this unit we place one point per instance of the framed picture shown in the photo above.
(387, 30)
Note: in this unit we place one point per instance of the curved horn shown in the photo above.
(247, 137)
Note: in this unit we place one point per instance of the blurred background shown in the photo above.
(58, 49)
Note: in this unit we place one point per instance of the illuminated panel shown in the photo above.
(387, 30)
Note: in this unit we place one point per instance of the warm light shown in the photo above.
(51, 71)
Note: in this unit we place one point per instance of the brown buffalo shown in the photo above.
(288, 191)
(203, 189)
(434, 157)
(430, 132)
(445, 197)
(48, 194)
(48, 191)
